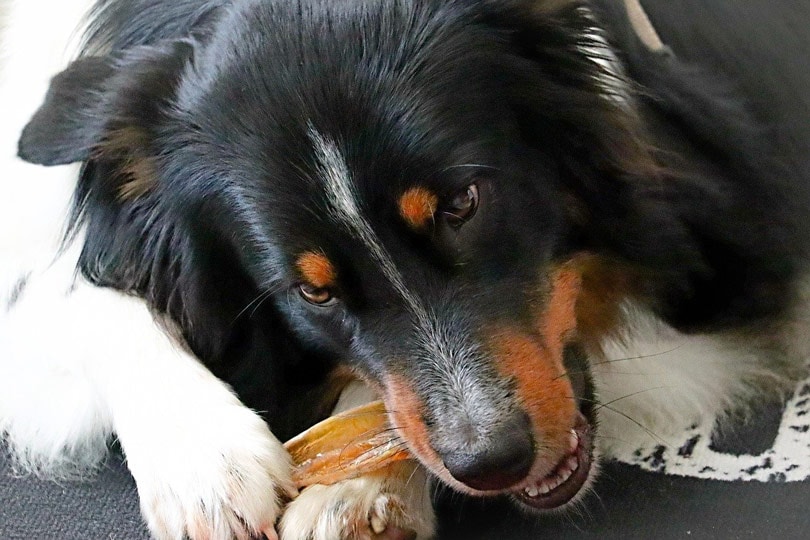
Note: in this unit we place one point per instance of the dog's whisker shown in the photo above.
(611, 402)
(259, 304)
(470, 165)
(600, 436)
(616, 360)
(396, 446)
(599, 405)
(639, 357)
(647, 430)
(364, 414)
(410, 476)
(260, 298)
(587, 372)
(370, 434)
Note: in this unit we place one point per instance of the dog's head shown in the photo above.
(408, 184)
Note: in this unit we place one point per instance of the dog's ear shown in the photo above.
(69, 123)
(140, 237)
(568, 82)
(109, 108)
(575, 104)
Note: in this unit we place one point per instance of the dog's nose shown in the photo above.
(503, 461)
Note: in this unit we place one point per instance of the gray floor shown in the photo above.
(627, 503)
(104, 508)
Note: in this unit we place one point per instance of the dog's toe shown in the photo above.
(390, 506)
(382, 511)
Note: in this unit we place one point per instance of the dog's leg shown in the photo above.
(393, 504)
(51, 414)
(205, 465)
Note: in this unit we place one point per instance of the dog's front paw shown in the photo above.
(391, 505)
(220, 479)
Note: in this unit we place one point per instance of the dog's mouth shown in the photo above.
(567, 478)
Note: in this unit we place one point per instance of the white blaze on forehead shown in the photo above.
(344, 207)
(339, 184)
(448, 349)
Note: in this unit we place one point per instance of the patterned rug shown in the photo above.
(763, 449)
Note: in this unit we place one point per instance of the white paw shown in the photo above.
(394, 505)
(222, 478)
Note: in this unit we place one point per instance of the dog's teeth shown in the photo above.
(563, 473)
(573, 441)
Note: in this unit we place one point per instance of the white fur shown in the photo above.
(33, 200)
(204, 464)
(33, 204)
(78, 363)
(655, 382)
(351, 508)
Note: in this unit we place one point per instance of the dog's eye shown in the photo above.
(461, 207)
(316, 296)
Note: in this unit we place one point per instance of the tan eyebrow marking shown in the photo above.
(417, 207)
(317, 270)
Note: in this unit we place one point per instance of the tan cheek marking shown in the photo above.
(417, 207)
(537, 365)
(543, 390)
(559, 321)
(317, 270)
(605, 286)
(404, 408)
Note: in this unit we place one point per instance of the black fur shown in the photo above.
(688, 178)
(742, 145)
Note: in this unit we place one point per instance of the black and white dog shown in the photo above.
(472, 206)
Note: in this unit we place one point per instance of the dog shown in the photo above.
(254, 213)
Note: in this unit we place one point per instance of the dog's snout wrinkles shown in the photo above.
(502, 462)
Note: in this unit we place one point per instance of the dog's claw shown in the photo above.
(378, 525)
(287, 492)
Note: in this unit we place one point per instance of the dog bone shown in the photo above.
(347, 445)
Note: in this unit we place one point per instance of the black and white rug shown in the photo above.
(771, 444)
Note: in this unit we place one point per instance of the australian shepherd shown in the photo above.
(219, 215)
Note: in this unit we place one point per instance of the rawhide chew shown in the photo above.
(347, 445)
